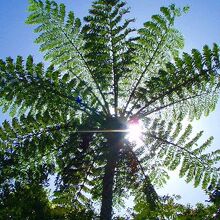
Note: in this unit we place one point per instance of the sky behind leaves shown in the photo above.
(200, 26)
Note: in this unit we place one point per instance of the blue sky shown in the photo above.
(200, 26)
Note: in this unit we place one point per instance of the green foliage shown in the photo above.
(31, 202)
(60, 31)
(24, 202)
(172, 210)
(109, 46)
(173, 147)
(70, 119)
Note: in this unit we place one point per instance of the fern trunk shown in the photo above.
(108, 179)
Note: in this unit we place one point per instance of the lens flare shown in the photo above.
(135, 129)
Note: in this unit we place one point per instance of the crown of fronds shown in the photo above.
(106, 70)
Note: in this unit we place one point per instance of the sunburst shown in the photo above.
(135, 132)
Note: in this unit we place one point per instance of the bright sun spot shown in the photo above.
(135, 129)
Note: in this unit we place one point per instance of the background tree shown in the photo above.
(71, 118)
(173, 210)
(20, 202)
(32, 202)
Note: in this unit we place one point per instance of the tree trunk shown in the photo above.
(108, 179)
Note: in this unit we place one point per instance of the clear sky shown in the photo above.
(200, 26)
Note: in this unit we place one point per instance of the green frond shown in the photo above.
(29, 88)
(197, 59)
(61, 40)
(204, 146)
(109, 47)
(184, 167)
(156, 36)
(185, 135)
(198, 176)
(206, 179)
(178, 148)
(159, 177)
(158, 43)
(191, 171)
(207, 53)
(216, 52)
(145, 193)
(177, 130)
(193, 142)
(59, 33)
(188, 88)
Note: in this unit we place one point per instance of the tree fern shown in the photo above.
(71, 118)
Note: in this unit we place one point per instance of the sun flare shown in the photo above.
(135, 130)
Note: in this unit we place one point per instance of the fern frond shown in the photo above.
(184, 88)
(193, 162)
(109, 47)
(61, 40)
(29, 88)
(154, 49)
